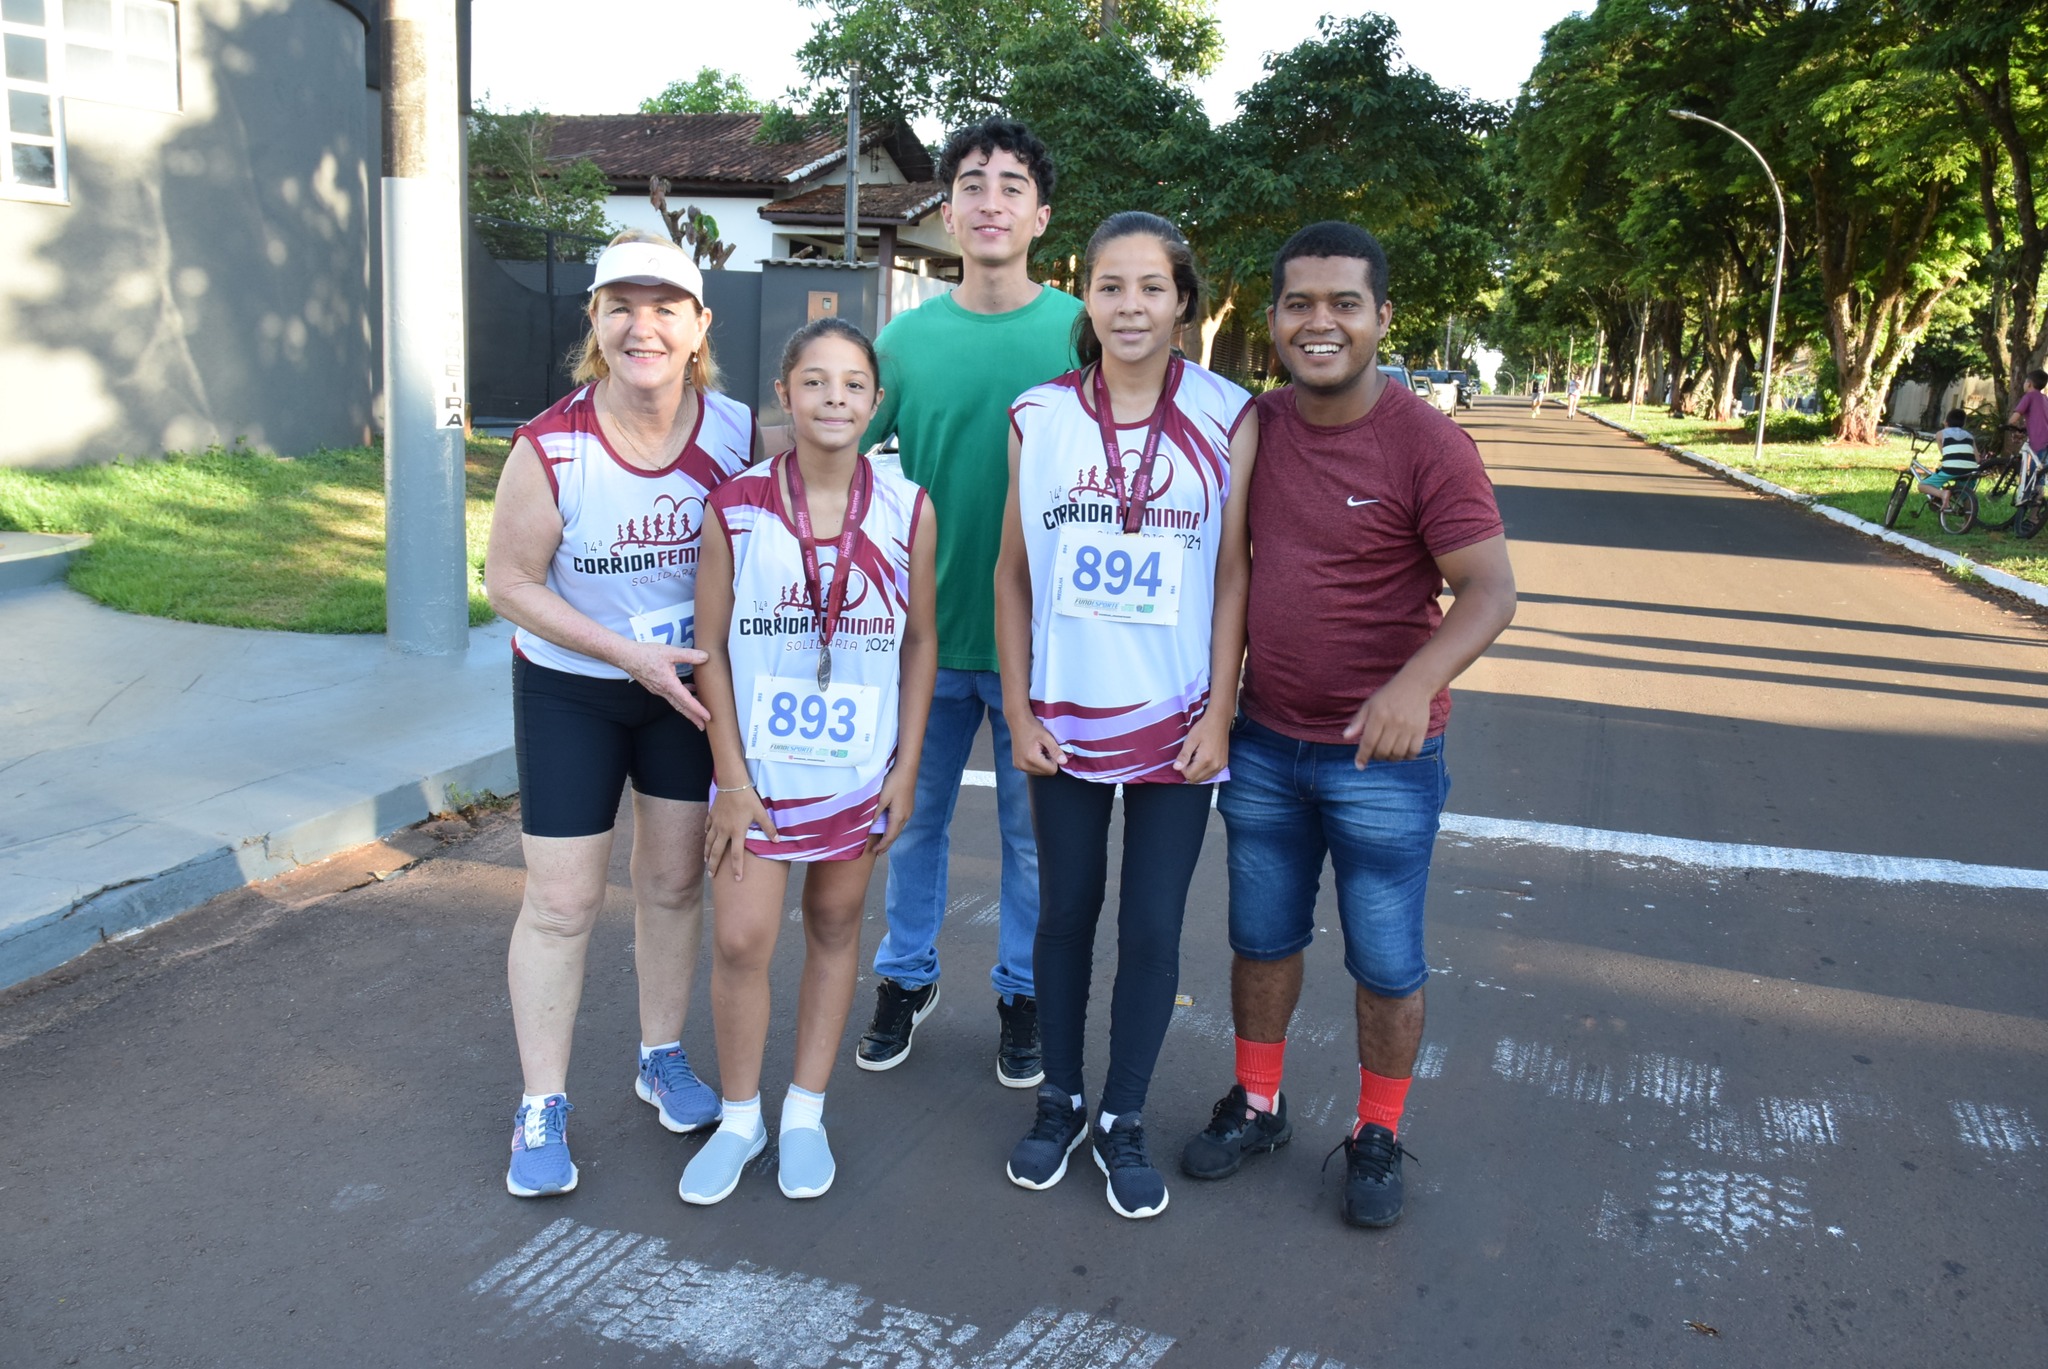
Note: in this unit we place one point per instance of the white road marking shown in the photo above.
(1990, 1127)
(1286, 1357)
(1716, 855)
(625, 1287)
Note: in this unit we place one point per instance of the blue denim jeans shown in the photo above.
(1286, 805)
(916, 897)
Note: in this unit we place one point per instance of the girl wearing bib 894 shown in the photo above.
(1120, 600)
(815, 608)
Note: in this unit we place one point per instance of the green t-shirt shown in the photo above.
(949, 377)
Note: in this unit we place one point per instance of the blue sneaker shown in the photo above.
(714, 1172)
(806, 1167)
(540, 1150)
(682, 1100)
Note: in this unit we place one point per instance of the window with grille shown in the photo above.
(121, 52)
(34, 165)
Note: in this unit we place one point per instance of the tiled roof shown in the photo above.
(716, 148)
(879, 204)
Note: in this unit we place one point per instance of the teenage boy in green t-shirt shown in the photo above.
(950, 369)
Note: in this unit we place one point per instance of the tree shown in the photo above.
(511, 177)
(1418, 179)
(710, 91)
(952, 60)
(1996, 51)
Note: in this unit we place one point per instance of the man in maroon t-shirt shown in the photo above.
(1364, 501)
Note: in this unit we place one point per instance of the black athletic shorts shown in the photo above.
(579, 739)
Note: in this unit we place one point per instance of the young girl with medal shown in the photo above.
(815, 608)
(1120, 602)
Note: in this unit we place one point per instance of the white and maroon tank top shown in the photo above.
(1120, 624)
(817, 756)
(628, 558)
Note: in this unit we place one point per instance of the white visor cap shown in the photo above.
(646, 263)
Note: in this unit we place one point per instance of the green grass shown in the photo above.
(233, 537)
(1854, 479)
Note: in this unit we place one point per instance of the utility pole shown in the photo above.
(852, 252)
(426, 563)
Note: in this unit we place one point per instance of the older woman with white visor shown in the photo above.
(593, 556)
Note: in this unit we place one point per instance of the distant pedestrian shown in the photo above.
(593, 555)
(1120, 595)
(950, 369)
(816, 603)
(1571, 398)
(1364, 502)
(1537, 385)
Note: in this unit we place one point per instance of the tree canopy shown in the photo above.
(1903, 134)
(710, 91)
(511, 177)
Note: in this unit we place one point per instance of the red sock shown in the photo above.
(1258, 1069)
(1380, 1100)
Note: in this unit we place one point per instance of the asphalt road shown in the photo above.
(1678, 1105)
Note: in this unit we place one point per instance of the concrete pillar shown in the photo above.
(426, 569)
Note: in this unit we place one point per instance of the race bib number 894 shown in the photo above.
(1117, 577)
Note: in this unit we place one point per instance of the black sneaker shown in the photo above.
(1372, 1176)
(898, 1010)
(1019, 1064)
(1235, 1130)
(1135, 1188)
(1040, 1159)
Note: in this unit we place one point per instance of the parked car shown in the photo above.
(1398, 373)
(1444, 390)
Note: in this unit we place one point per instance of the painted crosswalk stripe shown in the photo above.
(1716, 855)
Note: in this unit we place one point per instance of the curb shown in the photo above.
(1998, 579)
(37, 558)
(41, 944)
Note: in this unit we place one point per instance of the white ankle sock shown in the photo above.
(801, 1108)
(1108, 1120)
(743, 1117)
(1077, 1101)
(647, 1050)
(535, 1100)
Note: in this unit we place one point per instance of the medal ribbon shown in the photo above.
(828, 606)
(1131, 509)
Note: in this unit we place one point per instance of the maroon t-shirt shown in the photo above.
(1346, 523)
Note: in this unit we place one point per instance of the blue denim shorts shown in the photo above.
(1287, 804)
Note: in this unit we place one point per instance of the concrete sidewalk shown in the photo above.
(147, 765)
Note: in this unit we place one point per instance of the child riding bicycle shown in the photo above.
(1958, 458)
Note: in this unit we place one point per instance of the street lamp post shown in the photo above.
(1763, 400)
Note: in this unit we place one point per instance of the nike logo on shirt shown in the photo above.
(1355, 503)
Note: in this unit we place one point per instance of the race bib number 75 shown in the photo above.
(794, 720)
(1117, 577)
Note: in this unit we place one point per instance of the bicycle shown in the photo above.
(2013, 491)
(1958, 506)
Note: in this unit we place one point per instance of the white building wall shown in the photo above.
(739, 221)
(211, 278)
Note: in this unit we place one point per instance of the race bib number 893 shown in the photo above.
(794, 720)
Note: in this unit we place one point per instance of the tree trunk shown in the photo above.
(1874, 318)
(1211, 326)
(2016, 285)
